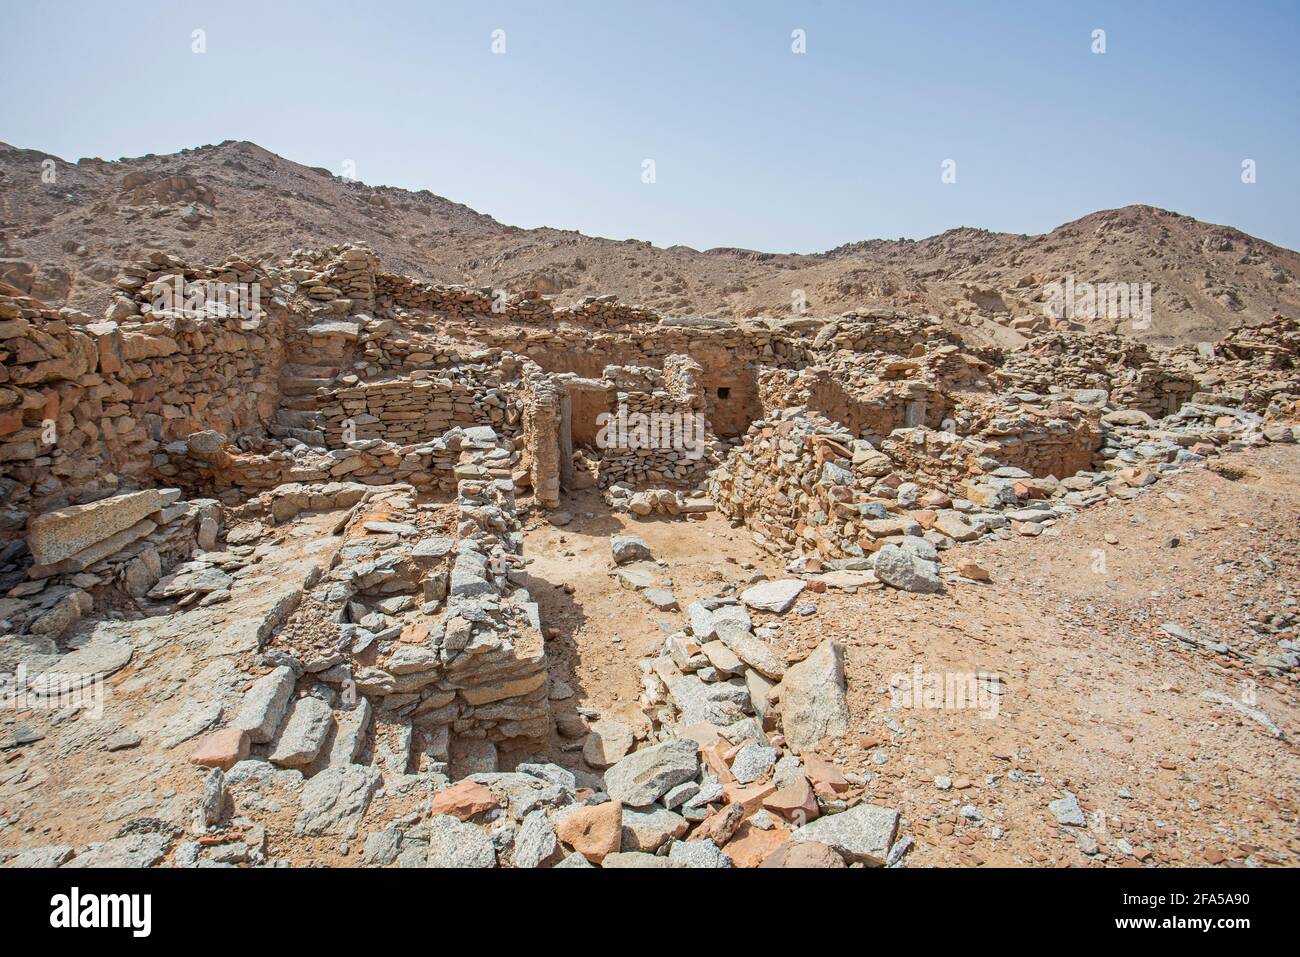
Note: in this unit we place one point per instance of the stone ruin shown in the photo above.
(145, 455)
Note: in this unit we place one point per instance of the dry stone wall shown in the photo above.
(85, 405)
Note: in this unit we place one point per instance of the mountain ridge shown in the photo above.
(63, 241)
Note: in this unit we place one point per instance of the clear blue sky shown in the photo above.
(754, 145)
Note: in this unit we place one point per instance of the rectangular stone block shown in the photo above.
(64, 532)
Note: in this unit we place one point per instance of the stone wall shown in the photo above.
(870, 410)
(803, 484)
(409, 411)
(544, 451)
(90, 555)
(657, 433)
(85, 405)
(1134, 377)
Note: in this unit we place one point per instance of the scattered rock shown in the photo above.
(644, 776)
(455, 844)
(814, 700)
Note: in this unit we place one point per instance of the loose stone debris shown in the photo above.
(293, 538)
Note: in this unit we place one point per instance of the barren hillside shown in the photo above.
(63, 241)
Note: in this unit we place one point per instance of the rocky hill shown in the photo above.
(64, 241)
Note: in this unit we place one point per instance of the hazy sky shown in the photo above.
(753, 144)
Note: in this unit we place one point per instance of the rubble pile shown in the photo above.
(1252, 367)
(1132, 375)
(420, 627)
(84, 555)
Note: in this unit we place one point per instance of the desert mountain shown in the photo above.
(64, 240)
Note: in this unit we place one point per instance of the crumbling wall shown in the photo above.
(656, 433)
(409, 411)
(870, 411)
(84, 405)
(207, 461)
(437, 631)
(1134, 376)
(803, 484)
(1254, 367)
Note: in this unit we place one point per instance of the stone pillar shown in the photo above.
(566, 442)
(543, 404)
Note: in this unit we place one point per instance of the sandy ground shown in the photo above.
(1097, 699)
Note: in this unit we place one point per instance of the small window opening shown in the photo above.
(724, 392)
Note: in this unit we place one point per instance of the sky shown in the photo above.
(752, 143)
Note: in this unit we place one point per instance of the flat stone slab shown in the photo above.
(814, 700)
(661, 598)
(62, 533)
(335, 800)
(303, 734)
(1066, 810)
(775, 596)
(134, 850)
(453, 843)
(51, 855)
(95, 660)
(335, 327)
(751, 650)
(264, 705)
(638, 576)
(850, 581)
(644, 776)
(188, 579)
